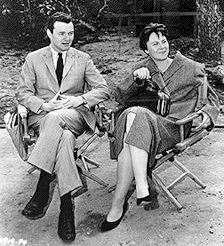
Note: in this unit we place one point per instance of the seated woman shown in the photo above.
(140, 133)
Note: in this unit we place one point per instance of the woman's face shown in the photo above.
(157, 47)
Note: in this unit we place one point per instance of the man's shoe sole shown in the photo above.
(39, 216)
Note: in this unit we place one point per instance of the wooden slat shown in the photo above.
(154, 14)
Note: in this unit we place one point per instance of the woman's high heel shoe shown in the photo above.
(107, 226)
(144, 200)
(150, 201)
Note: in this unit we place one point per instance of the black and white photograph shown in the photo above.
(112, 122)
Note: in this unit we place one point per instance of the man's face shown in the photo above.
(157, 46)
(62, 36)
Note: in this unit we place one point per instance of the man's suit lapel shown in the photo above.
(48, 59)
(47, 56)
(68, 63)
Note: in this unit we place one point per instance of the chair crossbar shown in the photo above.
(84, 171)
(86, 159)
(32, 169)
(82, 148)
(191, 140)
(177, 181)
(189, 174)
(78, 154)
(30, 137)
(164, 158)
(163, 187)
(167, 188)
(94, 177)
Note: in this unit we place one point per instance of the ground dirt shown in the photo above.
(200, 222)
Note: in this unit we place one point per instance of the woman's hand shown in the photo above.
(142, 73)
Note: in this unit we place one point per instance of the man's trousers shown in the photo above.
(54, 149)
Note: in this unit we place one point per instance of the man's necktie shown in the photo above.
(59, 68)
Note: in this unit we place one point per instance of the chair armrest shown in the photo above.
(203, 123)
(109, 116)
(106, 117)
(23, 113)
(100, 121)
(101, 106)
(191, 117)
(114, 110)
(191, 140)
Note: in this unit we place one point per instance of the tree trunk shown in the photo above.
(209, 28)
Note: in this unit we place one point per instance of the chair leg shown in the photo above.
(111, 188)
(86, 171)
(32, 169)
(179, 165)
(166, 191)
(86, 159)
(94, 177)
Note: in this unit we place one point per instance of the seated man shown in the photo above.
(51, 86)
(141, 133)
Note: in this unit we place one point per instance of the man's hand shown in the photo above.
(71, 101)
(142, 73)
(62, 102)
(53, 104)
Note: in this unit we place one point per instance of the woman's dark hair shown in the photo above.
(146, 32)
(58, 16)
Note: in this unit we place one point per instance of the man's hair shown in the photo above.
(58, 16)
(146, 32)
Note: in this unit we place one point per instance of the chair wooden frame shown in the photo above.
(78, 152)
(170, 156)
(197, 133)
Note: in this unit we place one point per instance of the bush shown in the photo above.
(26, 19)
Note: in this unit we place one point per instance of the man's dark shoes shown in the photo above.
(107, 226)
(37, 207)
(66, 225)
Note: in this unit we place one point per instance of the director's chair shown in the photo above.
(198, 131)
(29, 138)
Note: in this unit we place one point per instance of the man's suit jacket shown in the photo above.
(38, 82)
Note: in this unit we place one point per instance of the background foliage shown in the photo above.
(210, 28)
(25, 19)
